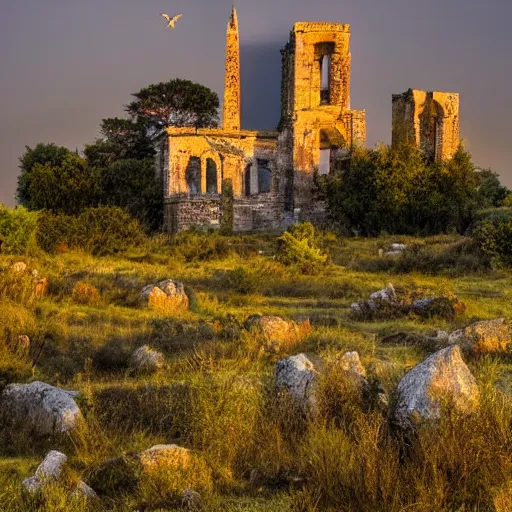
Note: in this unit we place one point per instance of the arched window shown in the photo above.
(193, 176)
(325, 80)
(211, 176)
(264, 177)
(247, 180)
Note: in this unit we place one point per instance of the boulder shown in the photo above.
(483, 337)
(398, 247)
(297, 375)
(382, 300)
(351, 365)
(434, 307)
(191, 500)
(44, 409)
(48, 471)
(276, 331)
(147, 360)
(165, 455)
(441, 378)
(393, 253)
(166, 294)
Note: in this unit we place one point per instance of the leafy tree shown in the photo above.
(67, 188)
(177, 102)
(42, 154)
(122, 139)
(133, 185)
(491, 191)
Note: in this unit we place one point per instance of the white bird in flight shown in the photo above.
(171, 21)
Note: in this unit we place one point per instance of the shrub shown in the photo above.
(495, 241)
(113, 355)
(101, 231)
(17, 230)
(194, 245)
(84, 293)
(298, 247)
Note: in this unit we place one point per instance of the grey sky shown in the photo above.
(66, 64)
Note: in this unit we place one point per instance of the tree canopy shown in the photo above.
(177, 102)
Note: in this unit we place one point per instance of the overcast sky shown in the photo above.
(66, 64)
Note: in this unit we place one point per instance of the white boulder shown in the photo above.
(44, 409)
(442, 377)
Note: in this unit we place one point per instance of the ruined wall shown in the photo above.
(430, 120)
(182, 213)
(232, 82)
(313, 116)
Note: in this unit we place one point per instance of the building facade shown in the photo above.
(250, 180)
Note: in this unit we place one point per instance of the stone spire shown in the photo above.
(231, 118)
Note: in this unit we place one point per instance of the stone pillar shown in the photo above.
(231, 117)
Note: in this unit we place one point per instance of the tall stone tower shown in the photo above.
(317, 124)
(231, 117)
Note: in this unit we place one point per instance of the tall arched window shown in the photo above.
(211, 176)
(247, 180)
(193, 176)
(264, 177)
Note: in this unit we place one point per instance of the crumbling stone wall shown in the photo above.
(428, 119)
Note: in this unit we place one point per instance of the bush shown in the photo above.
(84, 293)
(101, 231)
(196, 245)
(495, 241)
(298, 247)
(17, 230)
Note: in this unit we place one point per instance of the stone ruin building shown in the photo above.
(429, 120)
(246, 180)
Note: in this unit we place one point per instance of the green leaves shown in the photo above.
(177, 102)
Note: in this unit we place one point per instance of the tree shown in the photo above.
(42, 154)
(122, 139)
(65, 188)
(491, 192)
(177, 102)
(133, 185)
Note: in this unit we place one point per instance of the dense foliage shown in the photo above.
(177, 102)
(17, 230)
(395, 190)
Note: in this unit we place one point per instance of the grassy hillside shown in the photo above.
(216, 394)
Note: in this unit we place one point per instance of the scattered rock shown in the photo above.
(298, 376)
(50, 470)
(22, 346)
(19, 266)
(165, 455)
(147, 360)
(393, 253)
(167, 294)
(398, 247)
(191, 500)
(435, 307)
(276, 331)
(44, 409)
(351, 364)
(41, 287)
(483, 337)
(442, 376)
(381, 301)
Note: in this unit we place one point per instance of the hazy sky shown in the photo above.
(66, 64)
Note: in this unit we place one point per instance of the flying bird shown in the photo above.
(171, 21)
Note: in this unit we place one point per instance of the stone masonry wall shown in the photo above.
(430, 120)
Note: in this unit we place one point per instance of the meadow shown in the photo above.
(254, 451)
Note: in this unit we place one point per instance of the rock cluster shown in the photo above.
(167, 294)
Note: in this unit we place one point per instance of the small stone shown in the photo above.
(165, 455)
(49, 470)
(191, 500)
(351, 364)
(147, 360)
(19, 266)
